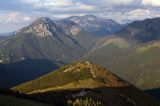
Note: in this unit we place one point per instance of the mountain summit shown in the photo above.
(41, 27)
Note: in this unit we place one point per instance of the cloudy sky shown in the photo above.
(17, 13)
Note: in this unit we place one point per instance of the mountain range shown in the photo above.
(130, 51)
(97, 26)
(45, 45)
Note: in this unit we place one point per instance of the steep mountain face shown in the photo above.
(42, 39)
(96, 26)
(142, 31)
(77, 33)
(70, 27)
(83, 81)
(132, 54)
(42, 46)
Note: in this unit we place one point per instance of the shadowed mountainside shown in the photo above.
(16, 73)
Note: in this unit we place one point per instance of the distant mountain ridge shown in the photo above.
(96, 26)
(142, 31)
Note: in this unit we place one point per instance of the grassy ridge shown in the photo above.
(77, 75)
(57, 78)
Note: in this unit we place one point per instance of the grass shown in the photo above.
(81, 74)
(119, 42)
(138, 65)
(69, 74)
(87, 83)
(86, 80)
(13, 101)
(84, 102)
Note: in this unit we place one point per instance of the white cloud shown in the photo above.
(31, 1)
(60, 5)
(155, 3)
(136, 14)
(140, 14)
(13, 17)
(63, 7)
(11, 20)
(60, 16)
(43, 3)
(118, 2)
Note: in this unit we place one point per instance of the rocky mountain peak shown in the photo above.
(43, 23)
(43, 20)
(70, 27)
(40, 28)
(90, 17)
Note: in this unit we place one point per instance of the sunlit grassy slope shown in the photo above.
(77, 75)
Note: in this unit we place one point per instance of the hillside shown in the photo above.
(136, 58)
(130, 62)
(10, 98)
(142, 31)
(84, 80)
(13, 101)
(80, 72)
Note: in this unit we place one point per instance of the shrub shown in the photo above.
(84, 102)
